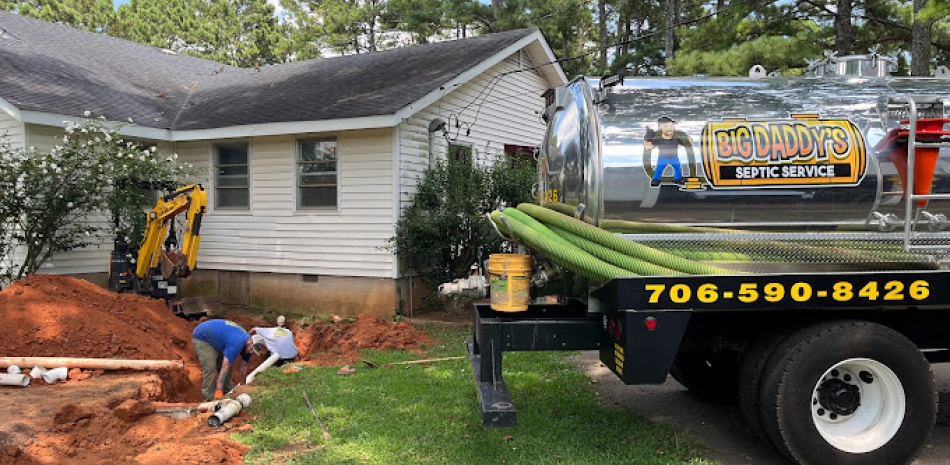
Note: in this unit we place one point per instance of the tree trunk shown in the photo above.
(920, 43)
(623, 31)
(670, 23)
(844, 40)
(372, 35)
(602, 15)
(565, 44)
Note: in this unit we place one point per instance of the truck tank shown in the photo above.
(795, 164)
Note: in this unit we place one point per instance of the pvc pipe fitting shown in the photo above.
(37, 372)
(13, 369)
(14, 379)
(56, 374)
(227, 409)
(208, 406)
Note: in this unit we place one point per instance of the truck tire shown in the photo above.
(751, 371)
(712, 377)
(848, 393)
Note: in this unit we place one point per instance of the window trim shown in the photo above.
(215, 166)
(295, 166)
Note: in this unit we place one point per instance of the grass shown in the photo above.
(428, 414)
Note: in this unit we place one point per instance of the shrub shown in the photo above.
(446, 230)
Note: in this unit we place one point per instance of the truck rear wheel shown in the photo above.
(848, 393)
(751, 371)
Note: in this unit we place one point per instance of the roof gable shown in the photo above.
(64, 71)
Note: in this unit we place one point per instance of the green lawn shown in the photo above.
(428, 414)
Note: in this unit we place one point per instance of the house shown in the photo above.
(311, 163)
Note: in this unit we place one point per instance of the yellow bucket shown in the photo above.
(509, 276)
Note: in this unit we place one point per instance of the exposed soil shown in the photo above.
(57, 316)
(108, 417)
(340, 343)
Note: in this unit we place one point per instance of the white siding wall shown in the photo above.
(508, 113)
(11, 129)
(273, 237)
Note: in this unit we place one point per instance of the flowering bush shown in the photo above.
(92, 187)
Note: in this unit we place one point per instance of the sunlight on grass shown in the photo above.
(428, 414)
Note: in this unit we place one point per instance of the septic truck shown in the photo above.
(779, 243)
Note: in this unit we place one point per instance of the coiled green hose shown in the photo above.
(545, 241)
(619, 244)
(626, 262)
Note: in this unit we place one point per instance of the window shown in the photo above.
(460, 152)
(317, 174)
(232, 183)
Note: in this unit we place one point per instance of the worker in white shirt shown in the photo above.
(279, 342)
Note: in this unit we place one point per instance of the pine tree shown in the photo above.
(89, 15)
(237, 32)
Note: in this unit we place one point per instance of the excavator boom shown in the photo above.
(159, 261)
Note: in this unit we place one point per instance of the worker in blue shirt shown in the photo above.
(218, 344)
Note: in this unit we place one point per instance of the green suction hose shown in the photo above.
(636, 227)
(626, 262)
(542, 239)
(617, 243)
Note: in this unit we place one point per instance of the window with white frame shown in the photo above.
(232, 187)
(317, 174)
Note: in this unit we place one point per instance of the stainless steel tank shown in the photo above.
(595, 153)
(775, 154)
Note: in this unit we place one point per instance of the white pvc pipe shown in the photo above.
(92, 363)
(14, 379)
(228, 408)
(13, 369)
(56, 374)
(37, 372)
(274, 357)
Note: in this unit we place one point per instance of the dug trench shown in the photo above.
(107, 417)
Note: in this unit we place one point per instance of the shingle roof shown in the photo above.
(52, 68)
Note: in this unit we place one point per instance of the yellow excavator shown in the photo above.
(157, 265)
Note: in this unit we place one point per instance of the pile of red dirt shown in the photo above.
(339, 343)
(60, 316)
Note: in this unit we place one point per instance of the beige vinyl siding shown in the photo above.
(11, 130)
(509, 113)
(274, 237)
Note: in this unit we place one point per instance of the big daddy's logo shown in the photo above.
(802, 151)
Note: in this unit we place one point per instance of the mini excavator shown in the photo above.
(157, 266)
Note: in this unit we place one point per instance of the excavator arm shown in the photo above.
(192, 199)
(160, 262)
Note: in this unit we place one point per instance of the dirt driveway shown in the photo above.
(721, 429)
